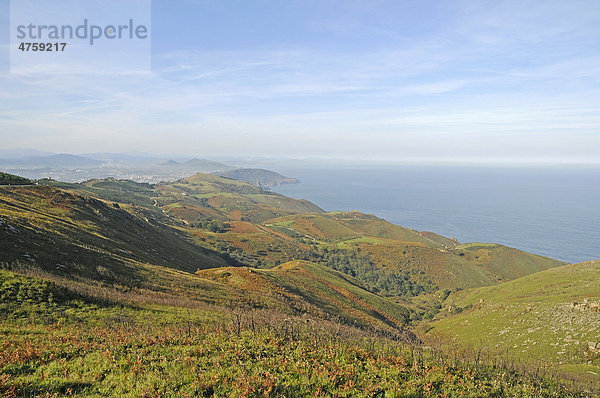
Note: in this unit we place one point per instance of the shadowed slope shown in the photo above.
(61, 230)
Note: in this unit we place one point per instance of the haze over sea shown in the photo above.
(550, 211)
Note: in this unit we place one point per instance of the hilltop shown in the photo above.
(10, 179)
(50, 161)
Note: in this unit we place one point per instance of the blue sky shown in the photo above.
(383, 80)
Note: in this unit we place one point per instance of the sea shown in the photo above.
(551, 211)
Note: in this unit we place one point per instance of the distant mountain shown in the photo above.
(22, 152)
(205, 166)
(52, 161)
(170, 163)
(260, 177)
(124, 159)
(195, 165)
(131, 166)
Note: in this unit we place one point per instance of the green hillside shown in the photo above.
(245, 222)
(345, 225)
(206, 221)
(57, 342)
(426, 257)
(70, 233)
(205, 196)
(318, 290)
(461, 266)
(10, 179)
(551, 316)
(122, 191)
(503, 263)
(75, 236)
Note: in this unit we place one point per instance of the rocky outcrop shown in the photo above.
(586, 305)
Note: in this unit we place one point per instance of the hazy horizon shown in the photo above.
(13, 153)
(461, 81)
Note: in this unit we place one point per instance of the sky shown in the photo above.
(372, 80)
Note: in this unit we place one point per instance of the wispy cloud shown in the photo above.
(493, 78)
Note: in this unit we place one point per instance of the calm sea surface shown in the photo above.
(550, 211)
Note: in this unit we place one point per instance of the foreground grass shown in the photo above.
(131, 362)
(56, 343)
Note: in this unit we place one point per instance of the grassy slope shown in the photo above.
(531, 318)
(252, 243)
(345, 225)
(504, 263)
(444, 262)
(122, 191)
(68, 234)
(207, 196)
(462, 266)
(316, 290)
(55, 229)
(59, 343)
(446, 270)
(215, 198)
